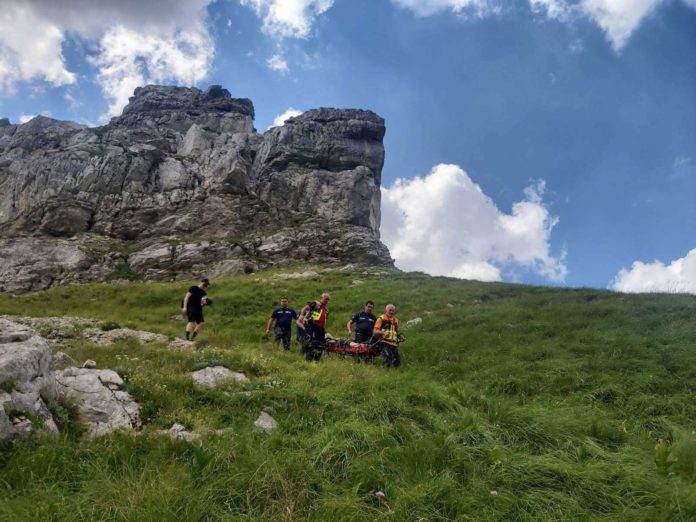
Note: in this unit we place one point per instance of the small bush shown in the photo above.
(8, 386)
(67, 418)
(106, 326)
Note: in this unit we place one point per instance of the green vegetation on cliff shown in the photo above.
(568, 404)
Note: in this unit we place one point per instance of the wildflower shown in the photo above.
(494, 493)
(380, 494)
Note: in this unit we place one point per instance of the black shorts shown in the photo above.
(195, 315)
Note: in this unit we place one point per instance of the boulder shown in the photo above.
(179, 432)
(101, 403)
(26, 381)
(214, 376)
(413, 322)
(265, 422)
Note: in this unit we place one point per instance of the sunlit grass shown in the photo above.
(554, 399)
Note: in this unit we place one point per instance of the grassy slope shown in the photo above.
(553, 398)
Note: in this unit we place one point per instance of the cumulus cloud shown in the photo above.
(277, 63)
(617, 18)
(128, 59)
(133, 42)
(677, 277)
(430, 7)
(444, 224)
(280, 119)
(288, 18)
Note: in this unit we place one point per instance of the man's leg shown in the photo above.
(396, 358)
(387, 355)
(287, 337)
(278, 331)
(189, 329)
(199, 328)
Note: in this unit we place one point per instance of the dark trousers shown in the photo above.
(283, 334)
(314, 342)
(390, 355)
(363, 337)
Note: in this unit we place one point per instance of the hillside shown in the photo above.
(514, 403)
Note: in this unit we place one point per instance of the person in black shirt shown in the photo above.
(283, 317)
(193, 304)
(364, 323)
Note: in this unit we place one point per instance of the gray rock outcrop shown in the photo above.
(88, 204)
(214, 376)
(103, 407)
(26, 381)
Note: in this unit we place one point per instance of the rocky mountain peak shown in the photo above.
(162, 98)
(181, 183)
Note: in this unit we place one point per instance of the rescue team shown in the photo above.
(382, 332)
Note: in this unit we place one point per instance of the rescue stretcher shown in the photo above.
(345, 347)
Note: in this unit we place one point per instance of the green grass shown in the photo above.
(571, 404)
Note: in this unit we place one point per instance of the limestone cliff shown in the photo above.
(181, 184)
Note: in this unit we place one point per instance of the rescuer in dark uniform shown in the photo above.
(364, 324)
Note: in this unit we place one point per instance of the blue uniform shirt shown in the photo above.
(284, 317)
(364, 322)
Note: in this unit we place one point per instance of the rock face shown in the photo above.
(26, 381)
(80, 203)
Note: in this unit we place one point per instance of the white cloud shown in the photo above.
(23, 118)
(288, 18)
(280, 119)
(30, 48)
(444, 224)
(277, 63)
(677, 277)
(136, 42)
(617, 18)
(128, 59)
(431, 7)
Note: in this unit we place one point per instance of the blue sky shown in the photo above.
(542, 141)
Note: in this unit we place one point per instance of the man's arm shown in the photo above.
(186, 300)
(300, 318)
(377, 330)
(269, 325)
(348, 326)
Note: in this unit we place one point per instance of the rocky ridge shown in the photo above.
(180, 184)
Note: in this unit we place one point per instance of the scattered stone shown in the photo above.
(224, 431)
(102, 405)
(177, 317)
(102, 337)
(297, 275)
(450, 305)
(178, 432)
(266, 422)
(413, 322)
(89, 363)
(182, 344)
(356, 282)
(61, 361)
(348, 268)
(214, 376)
